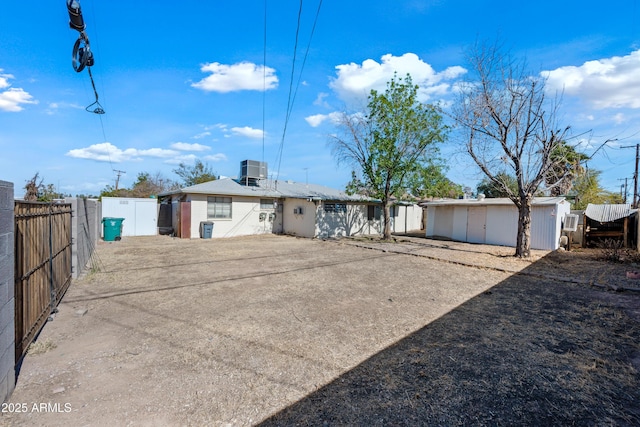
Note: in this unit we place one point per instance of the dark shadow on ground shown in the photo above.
(531, 351)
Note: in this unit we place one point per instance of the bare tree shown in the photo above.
(510, 127)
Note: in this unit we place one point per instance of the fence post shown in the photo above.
(7, 288)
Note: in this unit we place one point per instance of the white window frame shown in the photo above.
(222, 207)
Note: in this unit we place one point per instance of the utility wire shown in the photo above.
(264, 77)
(293, 93)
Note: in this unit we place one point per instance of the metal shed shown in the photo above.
(610, 221)
(140, 215)
(494, 221)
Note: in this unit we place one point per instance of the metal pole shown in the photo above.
(635, 178)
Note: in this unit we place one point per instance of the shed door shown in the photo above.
(477, 224)
(146, 221)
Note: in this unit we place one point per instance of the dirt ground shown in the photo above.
(277, 330)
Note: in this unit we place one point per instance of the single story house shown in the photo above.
(494, 221)
(252, 205)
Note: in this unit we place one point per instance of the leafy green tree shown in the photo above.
(503, 185)
(430, 181)
(566, 167)
(387, 143)
(146, 185)
(194, 174)
(587, 189)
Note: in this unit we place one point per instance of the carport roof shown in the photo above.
(607, 213)
(270, 189)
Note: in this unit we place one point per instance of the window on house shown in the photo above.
(335, 207)
(218, 207)
(373, 212)
(266, 204)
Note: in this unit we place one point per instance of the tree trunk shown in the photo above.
(386, 233)
(523, 244)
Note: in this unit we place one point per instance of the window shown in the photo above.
(373, 212)
(335, 207)
(266, 204)
(218, 207)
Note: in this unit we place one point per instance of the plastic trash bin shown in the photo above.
(112, 229)
(206, 229)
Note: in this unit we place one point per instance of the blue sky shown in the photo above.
(185, 80)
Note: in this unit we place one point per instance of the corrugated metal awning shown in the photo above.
(607, 213)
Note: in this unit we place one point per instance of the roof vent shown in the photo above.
(480, 197)
(251, 171)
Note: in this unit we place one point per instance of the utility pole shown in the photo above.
(118, 173)
(635, 175)
(623, 193)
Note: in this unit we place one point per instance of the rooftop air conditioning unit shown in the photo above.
(570, 222)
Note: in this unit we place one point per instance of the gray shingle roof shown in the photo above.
(269, 188)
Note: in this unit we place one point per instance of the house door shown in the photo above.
(477, 224)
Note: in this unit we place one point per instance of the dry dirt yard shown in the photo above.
(276, 330)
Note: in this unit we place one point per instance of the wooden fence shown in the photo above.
(43, 265)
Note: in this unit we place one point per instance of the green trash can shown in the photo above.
(112, 228)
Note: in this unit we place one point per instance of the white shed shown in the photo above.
(140, 215)
(495, 221)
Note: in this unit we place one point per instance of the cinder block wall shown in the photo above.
(7, 303)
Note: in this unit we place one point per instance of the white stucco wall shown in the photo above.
(353, 223)
(407, 218)
(304, 224)
(245, 217)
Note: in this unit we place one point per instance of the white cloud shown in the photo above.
(183, 146)
(317, 119)
(186, 159)
(605, 83)
(320, 100)
(107, 152)
(216, 157)
(354, 82)
(619, 118)
(237, 77)
(12, 98)
(201, 135)
(247, 132)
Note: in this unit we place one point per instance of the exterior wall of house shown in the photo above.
(299, 224)
(246, 218)
(406, 218)
(7, 302)
(353, 222)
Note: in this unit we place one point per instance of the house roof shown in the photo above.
(607, 213)
(498, 201)
(271, 189)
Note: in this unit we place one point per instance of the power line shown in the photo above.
(292, 92)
